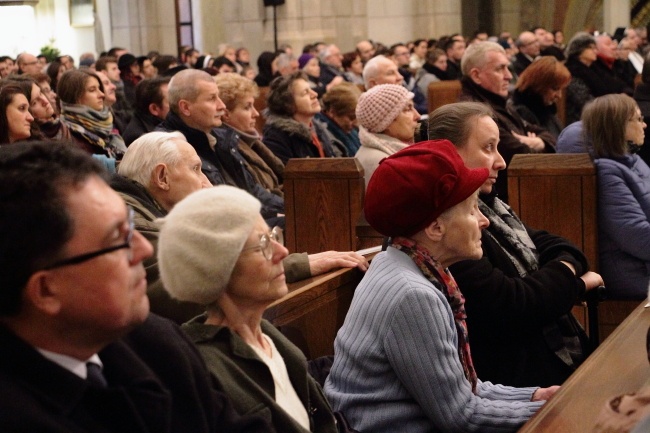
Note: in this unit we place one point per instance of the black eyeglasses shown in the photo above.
(265, 242)
(75, 260)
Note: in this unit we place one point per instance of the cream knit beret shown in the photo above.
(379, 106)
(201, 239)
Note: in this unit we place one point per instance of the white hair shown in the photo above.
(146, 152)
(476, 55)
(371, 69)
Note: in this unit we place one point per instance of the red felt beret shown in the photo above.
(412, 187)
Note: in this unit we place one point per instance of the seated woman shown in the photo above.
(615, 126)
(339, 114)
(353, 68)
(434, 69)
(520, 293)
(238, 94)
(402, 357)
(15, 118)
(290, 130)
(537, 92)
(216, 250)
(309, 64)
(81, 93)
(387, 124)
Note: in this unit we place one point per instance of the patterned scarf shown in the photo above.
(563, 336)
(442, 279)
(96, 127)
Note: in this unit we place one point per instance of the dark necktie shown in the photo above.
(95, 376)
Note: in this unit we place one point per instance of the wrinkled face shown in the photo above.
(605, 46)
(47, 91)
(148, 70)
(205, 113)
(243, 116)
(494, 76)
(441, 63)
(312, 68)
(39, 105)
(401, 56)
(404, 125)
(387, 73)
(305, 99)
(481, 151)
(112, 71)
(92, 97)
(634, 130)
(19, 118)
(256, 281)
(106, 296)
(335, 57)
(110, 97)
(185, 177)
(462, 236)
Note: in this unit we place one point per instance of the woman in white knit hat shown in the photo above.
(215, 249)
(387, 124)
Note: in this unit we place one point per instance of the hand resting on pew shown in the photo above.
(591, 279)
(543, 394)
(329, 260)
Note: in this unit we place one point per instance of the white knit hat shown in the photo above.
(379, 106)
(201, 239)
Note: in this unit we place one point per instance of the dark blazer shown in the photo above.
(157, 382)
(139, 125)
(520, 63)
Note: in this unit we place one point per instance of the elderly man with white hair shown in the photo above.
(485, 79)
(331, 65)
(160, 169)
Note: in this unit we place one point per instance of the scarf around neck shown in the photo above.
(96, 127)
(432, 69)
(441, 278)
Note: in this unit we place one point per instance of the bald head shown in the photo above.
(528, 44)
(366, 50)
(28, 64)
(380, 70)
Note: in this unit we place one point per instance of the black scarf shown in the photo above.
(443, 75)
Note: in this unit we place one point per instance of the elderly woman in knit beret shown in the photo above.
(215, 249)
(387, 124)
(402, 358)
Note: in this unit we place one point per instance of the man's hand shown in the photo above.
(328, 260)
(531, 140)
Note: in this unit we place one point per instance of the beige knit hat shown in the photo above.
(201, 239)
(379, 106)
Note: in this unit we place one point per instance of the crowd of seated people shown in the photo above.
(178, 139)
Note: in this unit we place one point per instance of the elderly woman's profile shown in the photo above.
(402, 358)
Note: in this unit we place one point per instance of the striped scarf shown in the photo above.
(442, 279)
(96, 127)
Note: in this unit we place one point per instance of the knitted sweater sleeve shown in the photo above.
(421, 348)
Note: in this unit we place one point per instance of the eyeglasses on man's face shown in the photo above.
(265, 245)
(75, 260)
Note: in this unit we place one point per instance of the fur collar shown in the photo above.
(288, 125)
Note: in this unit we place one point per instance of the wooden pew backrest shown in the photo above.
(441, 93)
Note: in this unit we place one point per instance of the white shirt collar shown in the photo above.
(71, 364)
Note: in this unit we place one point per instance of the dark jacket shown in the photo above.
(507, 122)
(453, 70)
(506, 313)
(288, 138)
(225, 165)
(329, 72)
(520, 63)
(531, 108)
(642, 98)
(243, 375)
(157, 382)
(349, 139)
(139, 125)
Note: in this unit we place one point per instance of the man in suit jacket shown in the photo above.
(81, 351)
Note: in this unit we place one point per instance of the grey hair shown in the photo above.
(183, 86)
(326, 52)
(476, 55)
(146, 152)
(284, 60)
(371, 69)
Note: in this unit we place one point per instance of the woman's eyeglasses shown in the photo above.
(265, 242)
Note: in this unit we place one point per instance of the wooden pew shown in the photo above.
(618, 366)
(312, 312)
(441, 93)
(557, 193)
(260, 106)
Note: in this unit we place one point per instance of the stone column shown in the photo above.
(616, 13)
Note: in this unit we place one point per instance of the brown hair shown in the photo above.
(341, 99)
(453, 121)
(433, 54)
(234, 87)
(604, 121)
(8, 92)
(544, 74)
(73, 85)
(102, 62)
(280, 100)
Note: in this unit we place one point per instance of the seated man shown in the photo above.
(85, 354)
(196, 111)
(160, 169)
(150, 108)
(485, 79)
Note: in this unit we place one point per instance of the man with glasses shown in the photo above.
(27, 64)
(528, 51)
(82, 352)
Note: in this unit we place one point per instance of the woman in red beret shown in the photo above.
(402, 358)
